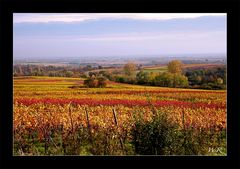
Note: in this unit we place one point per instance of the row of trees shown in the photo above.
(207, 78)
(52, 71)
(133, 74)
(175, 76)
(164, 79)
(172, 78)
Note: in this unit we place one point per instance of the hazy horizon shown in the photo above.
(140, 56)
(49, 36)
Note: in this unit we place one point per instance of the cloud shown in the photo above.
(121, 44)
(81, 17)
(130, 37)
(148, 36)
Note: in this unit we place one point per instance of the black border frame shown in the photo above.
(231, 7)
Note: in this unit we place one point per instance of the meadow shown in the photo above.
(51, 117)
(164, 68)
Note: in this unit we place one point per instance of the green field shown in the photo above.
(156, 70)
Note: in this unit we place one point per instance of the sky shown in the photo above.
(50, 35)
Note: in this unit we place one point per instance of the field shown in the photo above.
(163, 68)
(53, 118)
(156, 69)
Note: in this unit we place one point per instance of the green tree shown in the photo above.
(93, 74)
(102, 82)
(90, 82)
(180, 80)
(143, 77)
(199, 79)
(175, 66)
(152, 77)
(165, 79)
(69, 73)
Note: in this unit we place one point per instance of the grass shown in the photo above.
(157, 69)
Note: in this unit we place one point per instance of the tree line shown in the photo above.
(175, 76)
(52, 71)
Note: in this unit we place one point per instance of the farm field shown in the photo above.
(51, 117)
(156, 69)
(163, 68)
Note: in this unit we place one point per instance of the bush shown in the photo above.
(69, 74)
(83, 76)
(161, 136)
(143, 77)
(164, 79)
(120, 79)
(102, 82)
(90, 82)
(95, 82)
(154, 137)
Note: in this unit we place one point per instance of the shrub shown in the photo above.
(90, 82)
(154, 137)
(102, 82)
(69, 74)
(95, 82)
(161, 136)
(120, 79)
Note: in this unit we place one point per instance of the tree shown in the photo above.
(30, 69)
(94, 74)
(90, 82)
(175, 66)
(167, 79)
(139, 67)
(164, 79)
(69, 73)
(52, 73)
(89, 66)
(219, 80)
(95, 82)
(129, 69)
(199, 79)
(120, 79)
(102, 82)
(180, 80)
(20, 70)
(143, 77)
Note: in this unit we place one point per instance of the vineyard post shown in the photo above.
(115, 117)
(116, 123)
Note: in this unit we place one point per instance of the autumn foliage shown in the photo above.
(52, 119)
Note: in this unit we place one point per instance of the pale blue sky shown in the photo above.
(63, 35)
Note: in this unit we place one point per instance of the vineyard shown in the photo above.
(52, 117)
